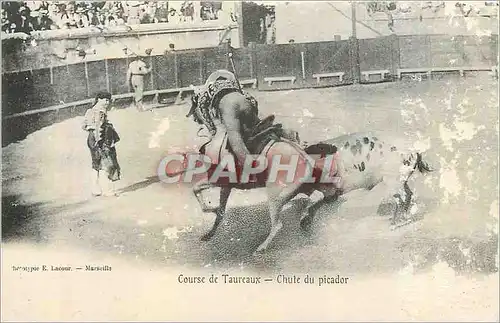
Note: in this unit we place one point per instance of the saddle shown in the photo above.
(256, 139)
(265, 131)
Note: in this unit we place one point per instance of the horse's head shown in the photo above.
(193, 112)
(291, 135)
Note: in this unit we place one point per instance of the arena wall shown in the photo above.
(32, 99)
(45, 49)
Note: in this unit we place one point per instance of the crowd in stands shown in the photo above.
(27, 16)
(465, 9)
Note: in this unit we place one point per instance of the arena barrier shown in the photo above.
(35, 98)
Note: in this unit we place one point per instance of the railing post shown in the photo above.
(227, 50)
(87, 81)
(151, 74)
(354, 59)
(428, 42)
(106, 67)
(176, 70)
(51, 75)
(127, 62)
(303, 64)
(202, 65)
(395, 52)
(494, 50)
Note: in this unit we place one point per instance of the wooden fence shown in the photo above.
(37, 98)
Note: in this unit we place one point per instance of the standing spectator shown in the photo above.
(5, 21)
(111, 22)
(71, 21)
(150, 11)
(137, 69)
(82, 21)
(162, 12)
(62, 17)
(187, 10)
(134, 13)
(117, 14)
(25, 24)
(45, 22)
(101, 141)
(93, 17)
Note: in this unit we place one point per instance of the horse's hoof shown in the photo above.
(206, 237)
(259, 251)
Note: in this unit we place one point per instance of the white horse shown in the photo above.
(366, 161)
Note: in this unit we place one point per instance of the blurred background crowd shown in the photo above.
(27, 16)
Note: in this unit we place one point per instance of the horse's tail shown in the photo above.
(421, 165)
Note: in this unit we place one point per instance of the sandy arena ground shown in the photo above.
(441, 268)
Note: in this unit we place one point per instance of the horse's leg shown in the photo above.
(279, 189)
(351, 182)
(330, 193)
(219, 213)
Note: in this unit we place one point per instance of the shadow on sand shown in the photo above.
(29, 221)
(140, 185)
(243, 229)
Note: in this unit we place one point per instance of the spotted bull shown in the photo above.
(367, 160)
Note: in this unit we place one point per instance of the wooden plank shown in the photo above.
(90, 101)
(270, 80)
(252, 82)
(402, 71)
(429, 70)
(51, 108)
(367, 74)
(318, 77)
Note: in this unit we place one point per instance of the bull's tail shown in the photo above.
(421, 165)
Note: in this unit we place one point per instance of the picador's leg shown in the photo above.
(219, 213)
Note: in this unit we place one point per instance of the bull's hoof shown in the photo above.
(305, 223)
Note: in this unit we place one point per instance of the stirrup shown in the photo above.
(208, 197)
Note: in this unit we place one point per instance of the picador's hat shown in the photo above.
(215, 76)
